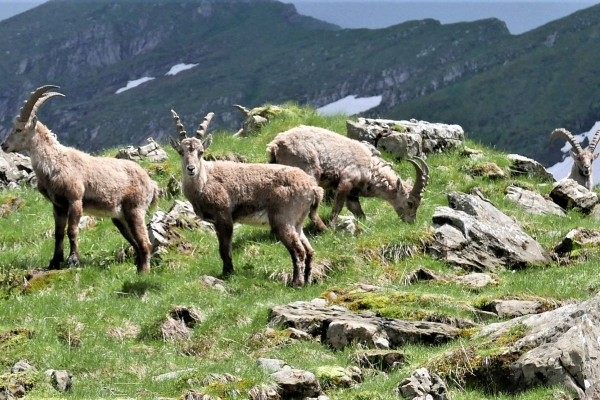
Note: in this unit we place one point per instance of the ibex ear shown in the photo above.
(596, 155)
(33, 122)
(208, 141)
(177, 145)
(400, 185)
(573, 154)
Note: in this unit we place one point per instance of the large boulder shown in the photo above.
(533, 202)
(527, 166)
(558, 347)
(15, 169)
(339, 327)
(569, 194)
(475, 235)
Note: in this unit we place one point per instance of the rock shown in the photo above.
(515, 308)
(296, 384)
(172, 375)
(197, 395)
(423, 386)
(264, 392)
(12, 204)
(557, 347)
(526, 166)
(22, 365)
(152, 152)
(271, 364)
(475, 280)
(347, 224)
(256, 118)
(474, 234)
(576, 239)
(472, 153)
(488, 170)
(62, 380)
(86, 222)
(383, 360)
(401, 138)
(297, 334)
(339, 327)
(188, 315)
(569, 194)
(15, 169)
(532, 202)
(336, 376)
(211, 281)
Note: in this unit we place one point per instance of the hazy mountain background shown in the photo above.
(506, 90)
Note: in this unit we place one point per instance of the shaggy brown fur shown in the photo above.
(76, 182)
(225, 192)
(349, 167)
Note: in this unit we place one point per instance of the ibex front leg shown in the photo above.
(60, 223)
(74, 216)
(224, 228)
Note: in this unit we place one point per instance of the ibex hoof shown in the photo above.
(72, 261)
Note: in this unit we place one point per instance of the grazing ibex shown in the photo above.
(225, 192)
(75, 182)
(581, 172)
(351, 168)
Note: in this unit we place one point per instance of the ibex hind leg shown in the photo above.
(60, 224)
(73, 217)
(129, 237)
(137, 226)
(291, 240)
(309, 256)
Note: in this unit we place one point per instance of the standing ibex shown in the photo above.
(225, 192)
(75, 182)
(351, 168)
(581, 172)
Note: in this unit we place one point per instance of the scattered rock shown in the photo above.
(11, 205)
(526, 166)
(211, 281)
(271, 364)
(576, 239)
(383, 360)
(472, 153)
(86, 222)
(474, 234)
(487, 170)
(296, 384)
(532, 202)
(569, 194)
(339, 327)
(197, 395)
(15, 170)
(423, 386)
(336, 376)
(264, 392)
(152, 152)
(62, 380)
(347, 225)
(256, 118)
(22, 365)
(516, 308)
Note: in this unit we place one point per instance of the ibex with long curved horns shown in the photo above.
(581, 172)
(350, 168)
(225, 192)
(76, 182)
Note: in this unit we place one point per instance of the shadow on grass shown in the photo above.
(138, 288)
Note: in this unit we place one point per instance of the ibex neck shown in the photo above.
(384, 179)
(44, 150)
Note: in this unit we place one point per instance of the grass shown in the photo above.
(101, 320)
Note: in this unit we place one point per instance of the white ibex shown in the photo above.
(225, 192)
(581, 172)
(76, 182)
(351, 168)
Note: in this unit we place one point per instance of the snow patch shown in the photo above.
(132, 84)
(350, 105)
(561, 169)
(175, 69)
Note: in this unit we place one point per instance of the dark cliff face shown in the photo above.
(248, 52)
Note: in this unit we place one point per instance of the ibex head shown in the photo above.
(191, 149)
(583, 158)
(24, 125)
(408, 199)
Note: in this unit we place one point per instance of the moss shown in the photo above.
(330, 375)
(14, 337)
(514, 333)
(398, 128)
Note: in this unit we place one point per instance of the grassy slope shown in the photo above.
(104, 294)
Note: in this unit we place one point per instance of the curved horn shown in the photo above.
(565, 134)
(25, 111)
(422, 177)
(204, 125)
(41, 101)
(178, 125)
(243, 109)
(594, 141)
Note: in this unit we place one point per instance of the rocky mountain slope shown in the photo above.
(505, 90)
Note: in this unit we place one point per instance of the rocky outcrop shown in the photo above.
(339, 327)
(15, 169)
(558, 347)
(475, 235)
(405, 139)
(527, 166)
(421, 385)
(569, 194)
(578, 239)
(152, 152)
(533, 202)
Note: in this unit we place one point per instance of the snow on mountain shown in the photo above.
(350, 105)
(175, 69)
(132, 84)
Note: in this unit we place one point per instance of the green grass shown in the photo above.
(100, 321)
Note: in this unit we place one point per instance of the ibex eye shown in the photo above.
(19, 130)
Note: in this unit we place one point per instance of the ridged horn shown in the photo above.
(594, 141)
(25, 111)
(204, 125)
(243, 109)
(45, 97)
(422, 176)
(565, 134)
(178, 125)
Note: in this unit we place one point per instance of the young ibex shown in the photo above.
(225, 192)
(351, 168)
(581, 172)
(75, 182)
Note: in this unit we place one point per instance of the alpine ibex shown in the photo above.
(581, 172)
(75, 182)
(225, 192)
(351, 168)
